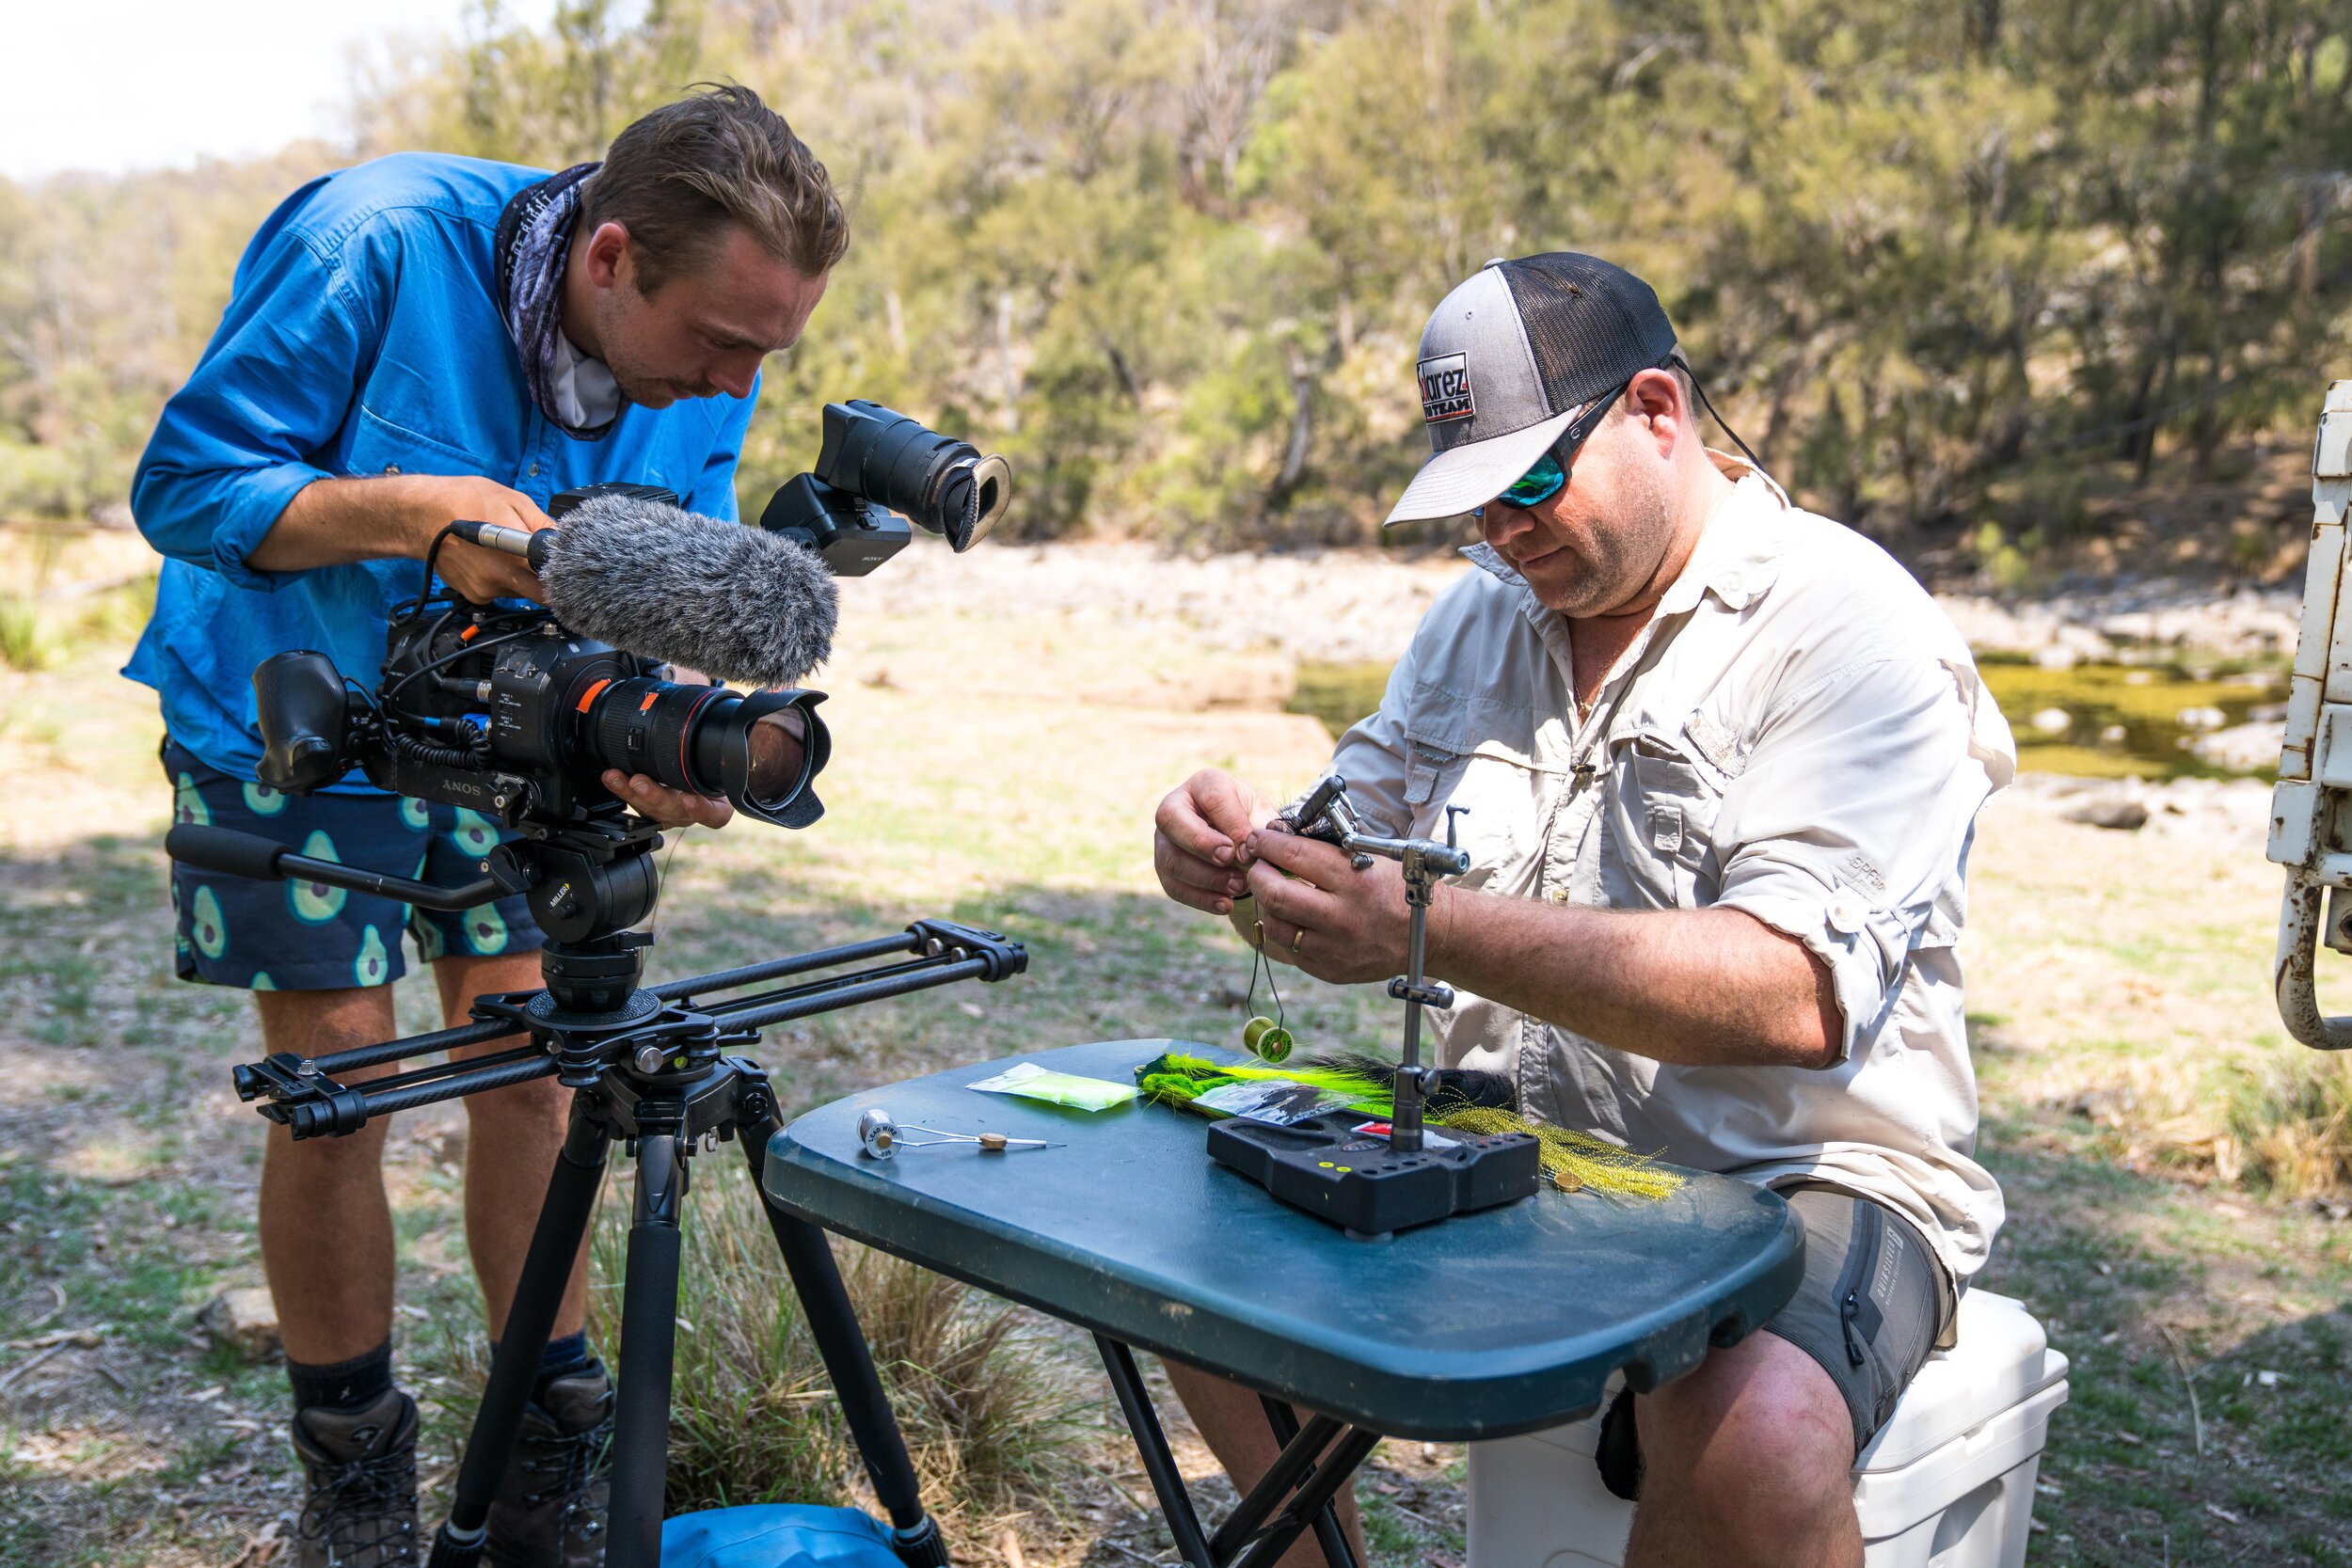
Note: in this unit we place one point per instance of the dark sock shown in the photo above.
(342, 1385)
(562, 1358)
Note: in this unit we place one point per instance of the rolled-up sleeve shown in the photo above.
(240, 439)
(1852, 815)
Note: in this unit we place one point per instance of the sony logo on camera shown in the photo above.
(1445, 388)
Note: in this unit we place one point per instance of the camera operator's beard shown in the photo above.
(619, 325)
(649, 391)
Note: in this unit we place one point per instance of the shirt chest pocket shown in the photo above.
(1469, 750)
(379, 446)
(1657, 825)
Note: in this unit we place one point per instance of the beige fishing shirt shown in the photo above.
(1801, 734)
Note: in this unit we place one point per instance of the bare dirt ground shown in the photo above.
(1000, 741)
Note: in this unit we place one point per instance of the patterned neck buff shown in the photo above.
(533, 241)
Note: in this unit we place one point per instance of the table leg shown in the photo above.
(1295, 1474)
(1168, 1482)
(1333, 1540)
(1290, 1469)
(1311, 1498)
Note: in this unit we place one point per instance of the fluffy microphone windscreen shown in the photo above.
(732, 602)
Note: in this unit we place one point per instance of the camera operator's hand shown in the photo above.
(379, 517)
(470, 570)
(672, 808)
(1196, 838)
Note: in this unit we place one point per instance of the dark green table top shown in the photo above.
(1479, 1327)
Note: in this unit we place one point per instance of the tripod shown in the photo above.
(649, 1067)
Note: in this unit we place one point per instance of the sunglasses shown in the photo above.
(1549, 475)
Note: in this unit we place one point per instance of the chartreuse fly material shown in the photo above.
(1574, 1160)
(1171, 1088)
(1368, 1095)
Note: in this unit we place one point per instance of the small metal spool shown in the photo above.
(1267, 1040)
(876, 1135)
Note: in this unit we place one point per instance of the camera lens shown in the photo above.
(942, 483)
(777, 754)
(758, 750)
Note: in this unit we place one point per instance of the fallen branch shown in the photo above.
(8, 1379)
(2180, 1364)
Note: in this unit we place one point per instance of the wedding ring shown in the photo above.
(1296, 940)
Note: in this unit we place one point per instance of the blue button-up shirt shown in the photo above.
(362, 336)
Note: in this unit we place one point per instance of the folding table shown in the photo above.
(1483, 1325)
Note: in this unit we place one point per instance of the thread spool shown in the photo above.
(876, 1135)
(1266, 1040)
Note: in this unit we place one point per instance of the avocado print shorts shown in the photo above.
(300, 936)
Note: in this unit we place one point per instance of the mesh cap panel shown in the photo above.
(1591, 324)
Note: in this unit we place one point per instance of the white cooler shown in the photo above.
(1947, 1483)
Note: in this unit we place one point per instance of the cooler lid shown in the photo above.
(2003, 1359)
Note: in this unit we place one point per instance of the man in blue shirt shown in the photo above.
(413, 340)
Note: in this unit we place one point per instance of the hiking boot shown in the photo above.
(549, 1512)
(361, 1465)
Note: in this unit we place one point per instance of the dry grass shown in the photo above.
(985, 1407)
(2120, 988)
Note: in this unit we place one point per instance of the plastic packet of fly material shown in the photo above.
(1279, 1101)
(1032, 1082)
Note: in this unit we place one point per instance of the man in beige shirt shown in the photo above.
(1721, 760)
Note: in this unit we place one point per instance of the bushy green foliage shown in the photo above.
(1172, 256)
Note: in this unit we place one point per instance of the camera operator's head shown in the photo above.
(703, 246)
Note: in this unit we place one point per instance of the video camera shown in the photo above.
(510, 712)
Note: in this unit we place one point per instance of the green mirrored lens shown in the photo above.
(1539, 484)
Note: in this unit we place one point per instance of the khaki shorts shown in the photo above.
(1873, 1303)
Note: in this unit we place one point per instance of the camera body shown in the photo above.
(505, 712)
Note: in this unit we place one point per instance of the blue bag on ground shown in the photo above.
(776, 1535)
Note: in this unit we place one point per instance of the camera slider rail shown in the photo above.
(664, 1029)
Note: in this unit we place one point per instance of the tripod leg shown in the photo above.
(641, 1422)
(546, 1269)
(832, 1323)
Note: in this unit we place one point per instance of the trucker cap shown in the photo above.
(1508, 360)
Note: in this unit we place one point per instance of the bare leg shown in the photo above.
(1746, 1460)
(1232, 1423)
(511, 1138)
(327, 1231)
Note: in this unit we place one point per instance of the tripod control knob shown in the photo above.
(649, 1059)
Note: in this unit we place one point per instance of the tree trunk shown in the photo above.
(1295, 456)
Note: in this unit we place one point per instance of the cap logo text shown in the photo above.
(1445, 388)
